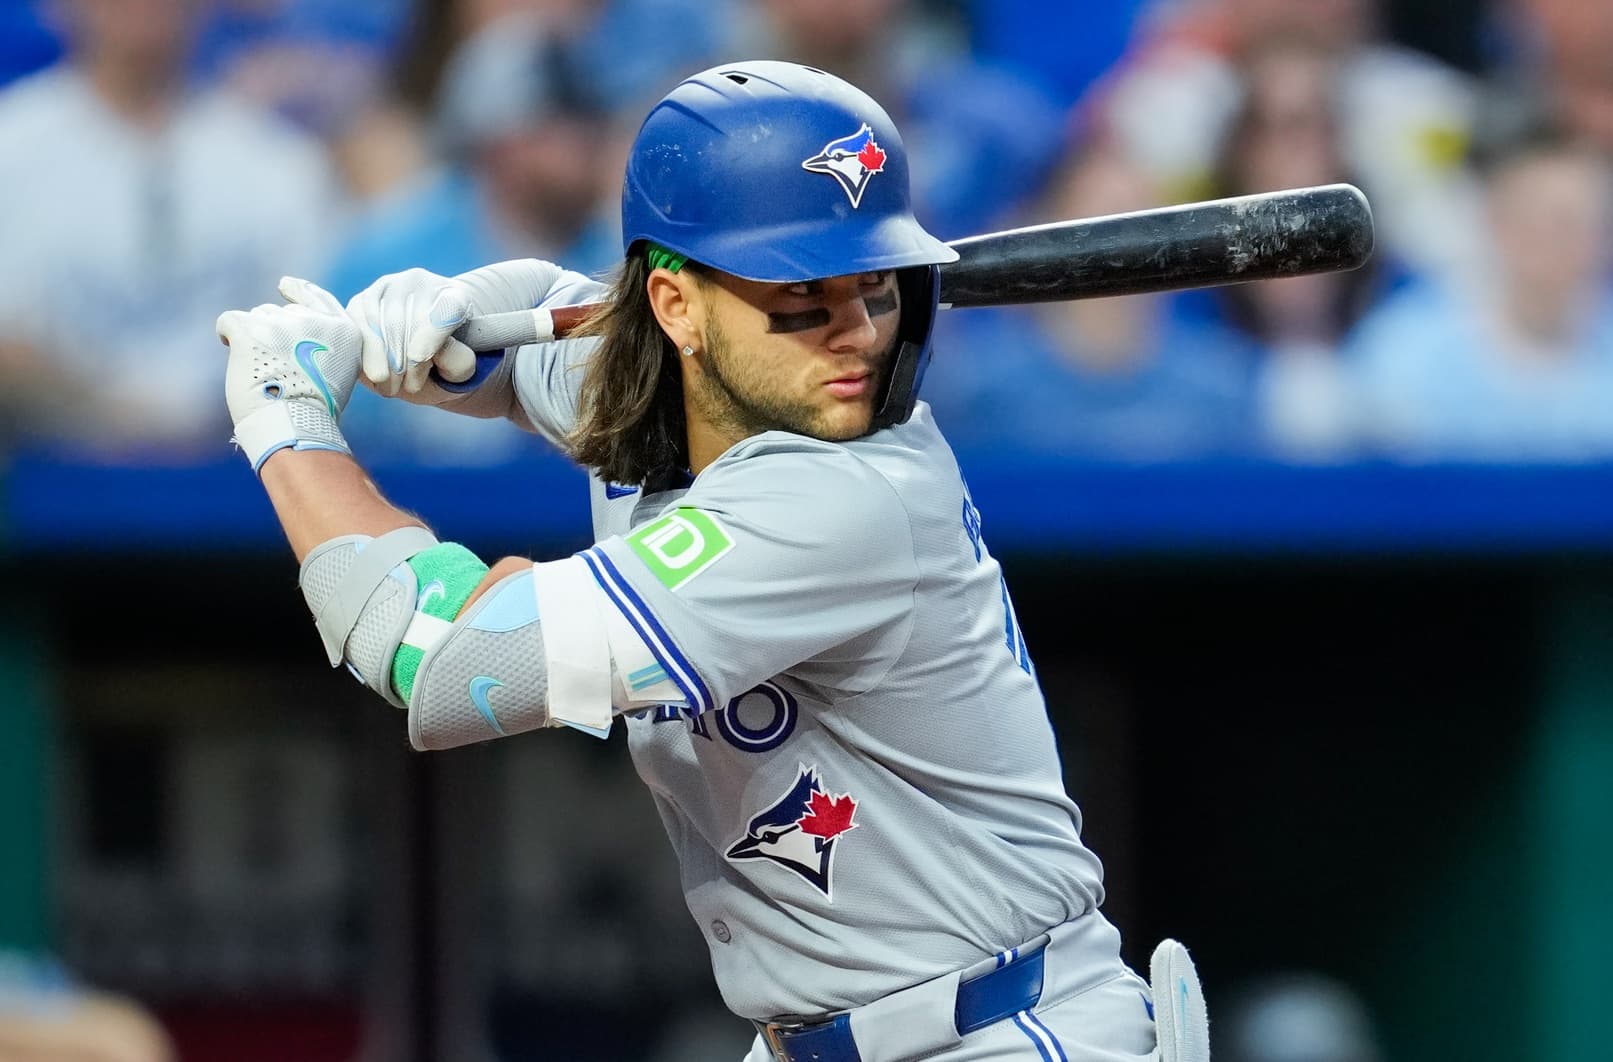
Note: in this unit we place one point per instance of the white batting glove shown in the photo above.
(291, 371)
(408, 319)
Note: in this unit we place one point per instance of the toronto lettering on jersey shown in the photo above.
(758, 720)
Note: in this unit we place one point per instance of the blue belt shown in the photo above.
(984, 1000)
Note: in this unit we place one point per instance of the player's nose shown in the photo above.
(851, 328)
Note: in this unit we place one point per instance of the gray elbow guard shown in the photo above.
(362, 594)
(486, 678)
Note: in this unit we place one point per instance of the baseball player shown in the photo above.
(790, 601)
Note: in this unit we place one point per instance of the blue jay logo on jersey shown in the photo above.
(852, 160)
(801, 830)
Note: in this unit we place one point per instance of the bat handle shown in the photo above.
(491, 335)
(500, 331)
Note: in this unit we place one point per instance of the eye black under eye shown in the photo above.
(798, 322)
(880, 303)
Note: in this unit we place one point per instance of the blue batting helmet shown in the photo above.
(781, 173)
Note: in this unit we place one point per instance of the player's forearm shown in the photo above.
(387, 598)
(320, 495)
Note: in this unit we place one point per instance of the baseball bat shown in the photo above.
(1192, 245)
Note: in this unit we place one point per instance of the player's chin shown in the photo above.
(844, 421)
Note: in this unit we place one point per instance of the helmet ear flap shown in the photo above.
(920, 289)
(901, 387)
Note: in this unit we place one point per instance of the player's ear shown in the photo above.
(678, 301)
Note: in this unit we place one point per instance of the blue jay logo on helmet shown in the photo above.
(801, 830)
(852, 160)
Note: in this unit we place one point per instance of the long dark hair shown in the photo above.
(630, 424)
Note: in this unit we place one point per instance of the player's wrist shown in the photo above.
(289, 424)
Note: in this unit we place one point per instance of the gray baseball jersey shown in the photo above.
(863, 790)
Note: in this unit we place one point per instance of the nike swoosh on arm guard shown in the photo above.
(488, 677)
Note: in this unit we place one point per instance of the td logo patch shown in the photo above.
(680, 545)
(801, 830)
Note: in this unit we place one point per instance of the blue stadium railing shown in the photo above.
(1029, 505)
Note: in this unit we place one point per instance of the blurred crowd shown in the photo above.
(168, 159)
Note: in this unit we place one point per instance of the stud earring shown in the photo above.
(688, 351)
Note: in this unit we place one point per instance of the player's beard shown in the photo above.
(734, 397)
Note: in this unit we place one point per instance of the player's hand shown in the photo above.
(291, 371)
(407, 321)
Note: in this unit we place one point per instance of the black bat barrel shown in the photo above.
(1221, 241)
